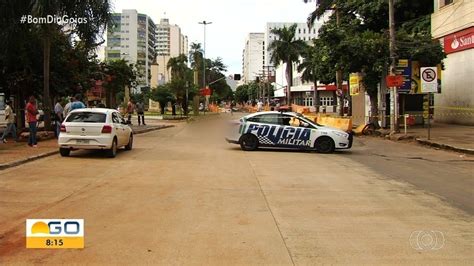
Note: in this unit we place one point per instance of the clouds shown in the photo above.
(231, 20)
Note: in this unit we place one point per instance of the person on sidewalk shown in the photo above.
(31, 113)
(76, 103)
(259, 106)
(58, 111)
(11, 127)
(67, 107)
(140, 108)
(130, 108)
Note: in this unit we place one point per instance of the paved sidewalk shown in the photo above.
(446, 136)
(16, 153)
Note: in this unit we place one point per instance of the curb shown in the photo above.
(47, 154)
(444, 146)
(29, 159)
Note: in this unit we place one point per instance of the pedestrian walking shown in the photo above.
(67, 107)
(232, 105)
(31, 113)
(76, 103)
(140, 108)
(259, 106)
(58, 111)
(130, 108)
(11, 126)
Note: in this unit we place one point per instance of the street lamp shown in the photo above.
(204, 23)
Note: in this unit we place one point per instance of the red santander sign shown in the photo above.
(459, 41)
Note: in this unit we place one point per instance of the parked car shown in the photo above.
(286, 130)
(95, 129)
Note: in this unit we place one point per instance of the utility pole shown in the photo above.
(393, 60)
(204, 23)
(339, 75)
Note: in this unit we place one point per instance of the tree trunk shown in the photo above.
(46, 96)
(374, 109)
(316, 96)
(289, 79)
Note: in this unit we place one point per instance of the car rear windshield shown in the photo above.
(86, 117)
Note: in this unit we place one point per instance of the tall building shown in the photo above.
(132, 37)
(170, 42)
(253, 57)
(303, 32)
(452, 23)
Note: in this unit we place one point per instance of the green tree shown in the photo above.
(286, 49)
(242, 93)
(360, 42)
(181, 80)
(96, 14)
(163, 95)
(195, 60)
(315, 67)
(118, 75)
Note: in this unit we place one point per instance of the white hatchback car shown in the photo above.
(94, 129)
(286, 130)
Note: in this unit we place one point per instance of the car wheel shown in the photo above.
(324, 145)
(130, 143)
(64, 152)
(248, 142)
(112, 152)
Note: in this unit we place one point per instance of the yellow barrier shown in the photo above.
(335, 122)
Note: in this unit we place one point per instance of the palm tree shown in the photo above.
(195, 55)
(286, 49)
(178, 66)
(180, 79)
(309, 69)
(95, 14)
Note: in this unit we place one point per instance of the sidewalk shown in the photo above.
(445, 136)
(16, 153)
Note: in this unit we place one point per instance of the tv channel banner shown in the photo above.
(55, 233)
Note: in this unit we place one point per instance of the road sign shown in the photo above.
(395, 81)
(205, 91)
(403, 69)
(429, 79)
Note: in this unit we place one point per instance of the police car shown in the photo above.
(286, 130)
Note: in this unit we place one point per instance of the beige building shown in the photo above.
(453, 24)
(170, 42)
(131, 37)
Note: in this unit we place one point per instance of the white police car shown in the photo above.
(286, 130)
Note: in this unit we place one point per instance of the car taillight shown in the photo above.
(63, 128)
(107, 129)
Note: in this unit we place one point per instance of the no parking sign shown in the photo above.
(429, 79)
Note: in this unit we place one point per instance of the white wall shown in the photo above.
(457, 89)
(253, 57)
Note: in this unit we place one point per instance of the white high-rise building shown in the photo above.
(253, 57)
(170, 42)
(303, 32)
(131, 36)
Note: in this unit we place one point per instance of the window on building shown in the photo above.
(314, 31)
(308, 101)
(304, 31)
(327, 101)
(299, 31)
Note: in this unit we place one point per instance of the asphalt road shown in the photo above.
(184, 196)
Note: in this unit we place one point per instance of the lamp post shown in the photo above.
(204, 23)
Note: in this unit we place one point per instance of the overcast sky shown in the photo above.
(231, 20)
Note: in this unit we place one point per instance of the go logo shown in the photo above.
(55, 233)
